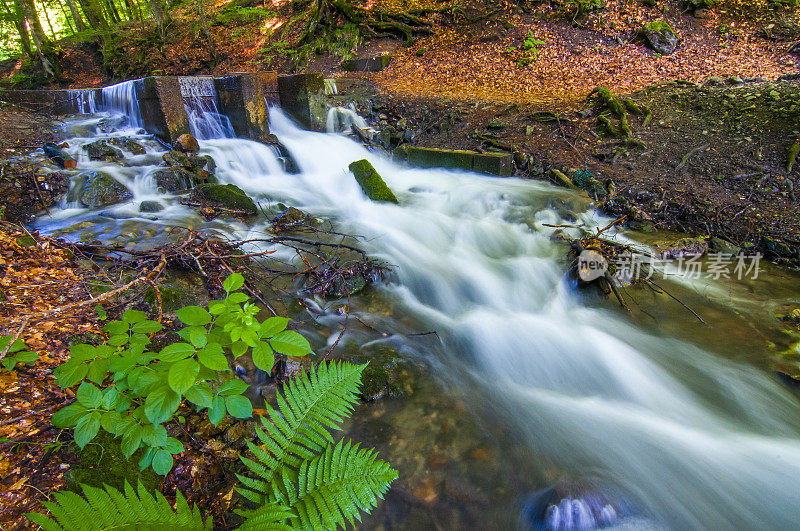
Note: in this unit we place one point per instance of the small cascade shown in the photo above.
(342, 120)
(200, 102)
(84, 100)
(121, 98)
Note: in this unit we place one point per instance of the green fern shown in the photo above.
(330, 489)
(314, 403)
(111, 509)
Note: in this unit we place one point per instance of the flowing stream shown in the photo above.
(667, 434)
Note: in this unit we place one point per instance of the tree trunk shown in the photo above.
(160, 13)
(45, 48)
(47, 19)
(63, 9)
(16, 15)
(80, 25)
(94, 14)
(111, 9)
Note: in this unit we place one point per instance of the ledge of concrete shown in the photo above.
(500, 164)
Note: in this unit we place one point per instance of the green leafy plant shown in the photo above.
(16, 353)
(141, 390)
(302, 479)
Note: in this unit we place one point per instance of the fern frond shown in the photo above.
(269, 517)
(313, 403)
(330, 490)
(110, 509)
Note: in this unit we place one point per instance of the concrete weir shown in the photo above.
(243, 97)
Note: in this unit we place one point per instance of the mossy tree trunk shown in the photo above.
(44, 47)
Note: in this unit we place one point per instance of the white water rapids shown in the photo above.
(690, 439)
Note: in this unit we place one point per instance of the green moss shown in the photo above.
(225, 195)
(613, 103)
(371, 182)
(102, 463)
(660, 26)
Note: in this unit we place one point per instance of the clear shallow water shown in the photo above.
(564, 392)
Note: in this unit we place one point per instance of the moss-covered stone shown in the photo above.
(371, 182)
(227, 196)
(100, 150)
(102, 463)
(127, 144)
(95, 189)
(500, 164)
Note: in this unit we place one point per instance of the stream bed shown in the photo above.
(532, 405)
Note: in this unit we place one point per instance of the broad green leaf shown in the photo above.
(233, 386)
(183, 375)
(109, 421)
(134, 316)
(290, 343)
(131, 441)
(173, 445)
(272, 326)
(116, 328)
(263, 357)
(212, 357)
(87, 427)
(236, 298)
(198, 336)
(97, 370)
(233, 282)
(82, 352)
(147, 327)
(147, 458)
(199, 395)
(238, 348)
(162, 462)
(71, 372)
(216, 308)
(16, 346)
(194, 316)
(161, 404)
(68, 416)
(27, 357)
(119, 340)
(154, 435)
(239, 406)
(217, 410)
(176, 352)
(110, 398)
(89, 396)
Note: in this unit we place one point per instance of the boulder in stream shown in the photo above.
(371, 182)
(186, 143)
(95, 189)
(683, 247)
(101, 150)
(127, 144)
(228, 196)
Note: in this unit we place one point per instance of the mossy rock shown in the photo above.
(102, 463)
(96, 189)
(371, 182)
(227, 196)
(100, 150)
(128, 145)
(660, 36)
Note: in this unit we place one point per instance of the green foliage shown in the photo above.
(141, 390)
(17, 353)
(302, 478)
(297, 465)
(111, 509)
(232, 13)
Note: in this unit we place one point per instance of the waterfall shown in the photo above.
(84, 100)
(121, 98)
(200, 102)
(342, 119)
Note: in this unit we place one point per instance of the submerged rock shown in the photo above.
(150, 206)
(227, 196)
(127, 144)
(186, 143)
(100, 150)
(371, 182)
(95, 189)
(175, 179)
(684, 247)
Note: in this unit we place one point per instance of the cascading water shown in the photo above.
(121, 98)
(682, 437)
(342, 119)
(200, 102)
(84, 100)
